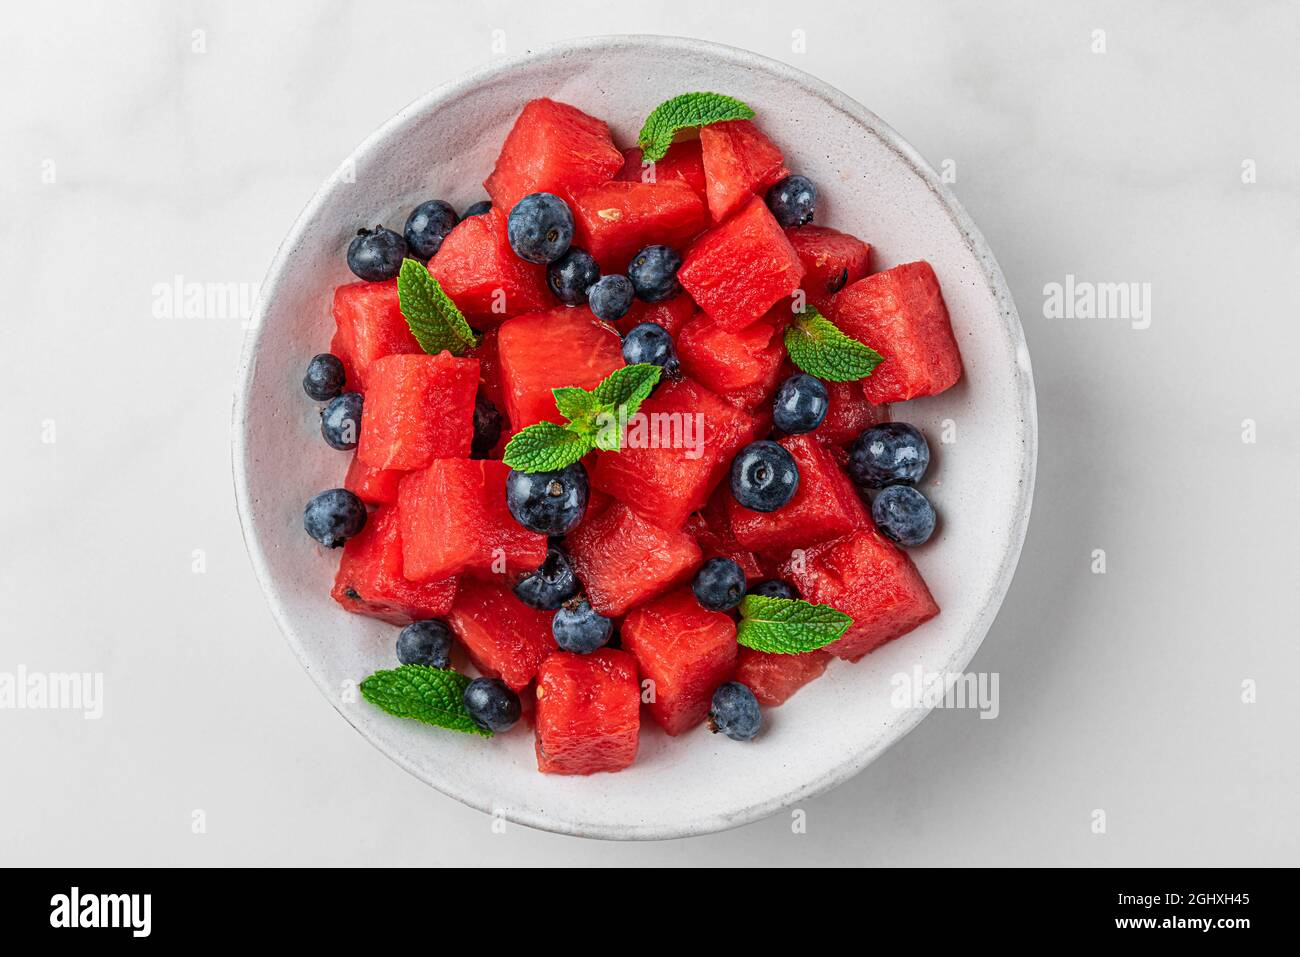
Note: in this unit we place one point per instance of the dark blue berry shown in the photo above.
(719, 585)
(611, 297)
(478, 209)
(653, 272)
(650, 343)
(334, 516)
(340, 421)
(540, 228)
(892, 453)
(800, 405)
(735, 712)
(548, 502)
(488, 423)
(774, 588)
(572, 275)
(551, 585)
(577, 627)
(427, 226)
(764, 476)
(425, 643)
(793, 201)
(324, 378)
(375, 255)
(491, 704)
(904, 514)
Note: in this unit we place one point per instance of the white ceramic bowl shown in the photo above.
(873, 184)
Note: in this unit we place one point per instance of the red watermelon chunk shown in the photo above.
(667, 468)
(711, 527)
(831, 260)
(686, 651)
(738, 271)
(489, 368)
(504, 637)
(546, 350)
(824, 506)
(455, 519)
(774, 678)
(622, 559)
(739, 161)
(588, 712)
(683, 162)
(368, 325)
(372, 486)
(901, 314)
(552, 148)
(481, 273)
(672, 314)
(868, 578)
(418, 408)
(848, 413)
(614, 221)
(727, 361)
(370, 580)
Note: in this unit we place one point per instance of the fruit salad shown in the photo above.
(618, 436)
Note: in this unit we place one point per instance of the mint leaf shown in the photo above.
(576, 405)
(819, 348)
(628, 387)
(432, 695)
(681, 112)
(434, 319)
(546, 447)
(787, 626)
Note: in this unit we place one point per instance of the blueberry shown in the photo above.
(800, 405)
(425, 643)
(611, 297)
(904, 514)
(540, 228)
(376, 254)
(892, 453)
(324, 378)
(653, 272)
(572, 275)
(734, 712)
(719, 585)
(478, 209)
(577, 627)
(551, 585)
(548, 502)
(491, 704)
(650, 343)
(793, 201)
(774, 588)
(340, 421)
(427, 226)
(488, 423)
(764, 476)
(334, 516)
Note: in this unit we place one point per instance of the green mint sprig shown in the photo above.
(596, 420)
(435, 321)
(818, 347)
(682, 112)
(788, 626)
(432, 695)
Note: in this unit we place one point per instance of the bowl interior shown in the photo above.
(873, 185)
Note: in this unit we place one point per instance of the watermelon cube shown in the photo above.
(726, 361)
(677, 449)
(901, 314)
(368, 325)
(869, 578)
(504, 637)
(739, 161)
(739, 270)
(418, 408)
(622, 559)
(824, 506)
(683, 162)
(546, 350)
(848, 413)
(588, 712)
(481, 273)
(614, 221)
(685, 652)
(672, 314)
(711, 527)
(831, 260)
(774, 678)
(372, 486)
(489, 369)
(455, 519)
(370, 582)
(552, 148)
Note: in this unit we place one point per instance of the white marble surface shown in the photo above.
(1120, 691)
